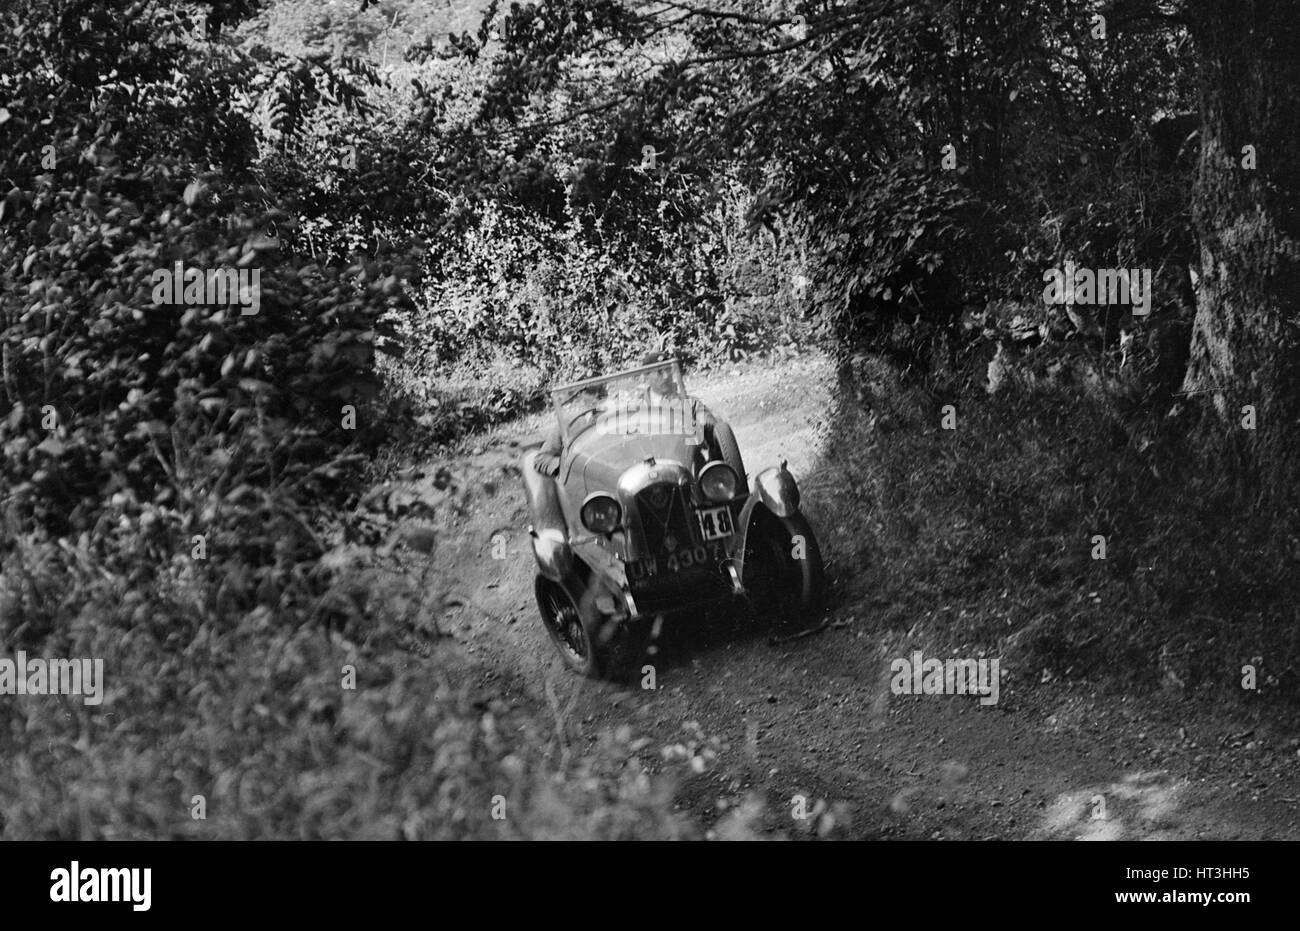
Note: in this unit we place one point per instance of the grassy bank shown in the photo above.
(1084, 541)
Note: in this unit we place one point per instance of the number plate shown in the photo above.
(638, 570)
(715, 523)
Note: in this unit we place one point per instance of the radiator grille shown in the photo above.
(663, 514)
(664, 511)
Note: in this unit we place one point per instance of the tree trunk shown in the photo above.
(1246, 338)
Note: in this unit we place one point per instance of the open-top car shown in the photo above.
(652, 512)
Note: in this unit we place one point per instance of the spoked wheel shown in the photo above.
(783, 573)
(575, 633)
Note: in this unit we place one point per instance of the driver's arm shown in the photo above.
(704, 417)
(547, 460)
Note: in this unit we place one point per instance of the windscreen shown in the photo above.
(645, 400)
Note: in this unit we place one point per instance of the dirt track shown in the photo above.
(815, 717)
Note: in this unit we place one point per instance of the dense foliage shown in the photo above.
(132, 146)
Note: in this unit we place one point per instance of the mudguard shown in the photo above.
(553, 554)
(549, 530)
(774, 489)
(778, 490)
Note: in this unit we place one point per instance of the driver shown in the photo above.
(662, 389)
(665, 397)
(660, 381)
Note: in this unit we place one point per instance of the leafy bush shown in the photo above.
(123, 411)
(250, 710)
(517, 301)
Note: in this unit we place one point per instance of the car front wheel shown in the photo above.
(578, 632)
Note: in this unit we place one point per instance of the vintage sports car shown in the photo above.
(652, 512)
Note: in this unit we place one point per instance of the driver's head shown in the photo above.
(660, 380)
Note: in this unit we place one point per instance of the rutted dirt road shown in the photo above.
(815, 717)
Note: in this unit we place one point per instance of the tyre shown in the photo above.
(729, 450)
(579, 633)
(783, 571)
